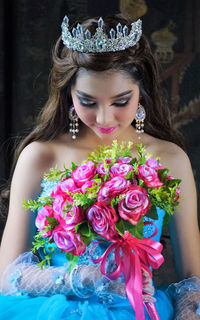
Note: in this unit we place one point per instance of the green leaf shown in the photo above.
(86, 240)
(141, 182)
(135, 230)
(46, 200)
(139, 229)
(69, 256)
(33, 205)
(85, 230)
(52, 221)
(172, 183)
(142, 160)
(162, 173)
(114, 201)
(47, 258)
(141, 150)
(129, 175)
(133, 161)
(73, 166)
(54, 174)
(119, 226)
(152, 213)
(72, 261)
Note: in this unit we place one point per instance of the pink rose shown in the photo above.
(41, 221)
(60, 196)
(135, 204)
(68, 241)
(84, 173)
(149, 176)
(112, 188)
(58, 205)
(124, 159)
(63, 186)
(71, 219)
(120, 169)
(102, 219)
(102, 169)
(86, 185)
(68, 185)
(153, 163)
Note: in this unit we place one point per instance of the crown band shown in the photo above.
(120, 39)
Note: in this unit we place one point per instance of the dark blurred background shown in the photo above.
(28, 31)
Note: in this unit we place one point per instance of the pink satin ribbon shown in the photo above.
(136, 254)
(151, 309)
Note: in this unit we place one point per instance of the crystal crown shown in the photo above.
(120, 39)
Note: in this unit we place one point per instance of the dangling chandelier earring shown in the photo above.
(73, 125)
(140, 117)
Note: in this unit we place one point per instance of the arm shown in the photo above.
(19, 230)
(185, 239)
(184, 228)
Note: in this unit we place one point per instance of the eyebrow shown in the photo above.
(117, 96)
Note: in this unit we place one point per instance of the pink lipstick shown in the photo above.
(106, 130)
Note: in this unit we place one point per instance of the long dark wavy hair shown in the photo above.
(137, 61)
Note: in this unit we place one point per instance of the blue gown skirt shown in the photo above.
(59, 307)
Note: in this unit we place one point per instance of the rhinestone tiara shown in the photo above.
(120, 39)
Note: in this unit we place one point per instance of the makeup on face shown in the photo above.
(106, 130)
(106, 102)
(87, 100)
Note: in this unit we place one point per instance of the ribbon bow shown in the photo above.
(136, 254)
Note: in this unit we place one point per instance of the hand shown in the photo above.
(186, 306)
(92, 278)
(148, 288)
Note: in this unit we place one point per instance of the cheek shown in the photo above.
(126, 115)
(86, 115)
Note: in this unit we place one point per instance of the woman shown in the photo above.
(104, 85)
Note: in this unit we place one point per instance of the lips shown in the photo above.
(106, 130)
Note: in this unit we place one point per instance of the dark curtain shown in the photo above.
(29, 29)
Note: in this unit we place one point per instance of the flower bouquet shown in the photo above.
(106, 199)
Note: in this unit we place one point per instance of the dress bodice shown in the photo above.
(59, 258)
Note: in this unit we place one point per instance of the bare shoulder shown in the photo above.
(172, 156)
(33, 162)
(36, 156)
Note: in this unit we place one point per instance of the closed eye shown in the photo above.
(121, 103)
(87, 103)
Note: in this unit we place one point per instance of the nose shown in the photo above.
(104, 115)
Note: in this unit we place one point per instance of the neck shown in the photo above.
(93, 140)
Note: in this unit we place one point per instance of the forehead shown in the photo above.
(108, 83)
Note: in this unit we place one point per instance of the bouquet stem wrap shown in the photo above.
(136, 254)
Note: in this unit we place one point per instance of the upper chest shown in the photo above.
(65, 153)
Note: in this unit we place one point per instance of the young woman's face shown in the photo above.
(106, 102)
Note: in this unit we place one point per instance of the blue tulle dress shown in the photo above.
(59, 306)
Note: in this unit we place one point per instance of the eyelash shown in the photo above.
(85, 104)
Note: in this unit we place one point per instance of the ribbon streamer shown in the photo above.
(151, 309)
(136, 254)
